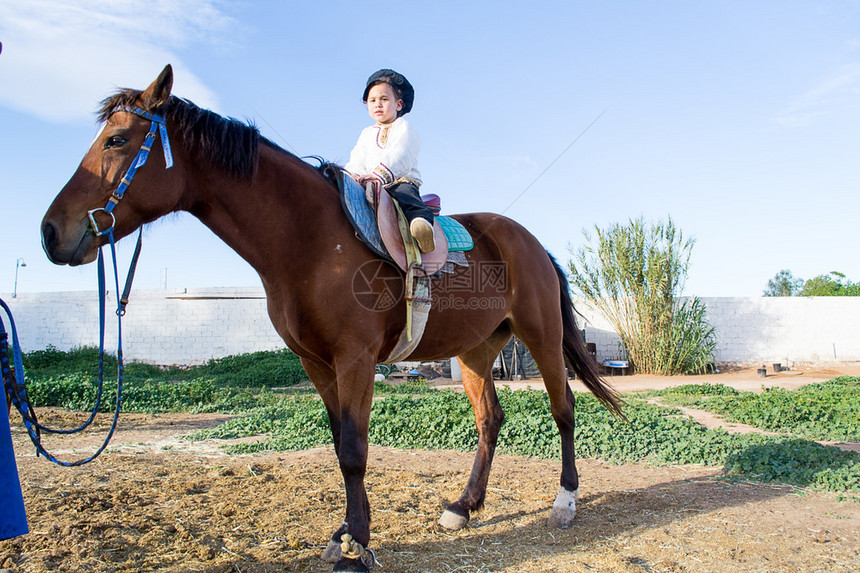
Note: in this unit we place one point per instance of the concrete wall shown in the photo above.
(763, 330)
(191, 326)
(185, 326)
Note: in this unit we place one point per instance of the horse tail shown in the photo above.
(575, 353)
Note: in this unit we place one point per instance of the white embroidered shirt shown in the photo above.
(389, 151)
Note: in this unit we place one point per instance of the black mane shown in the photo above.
(224, 142)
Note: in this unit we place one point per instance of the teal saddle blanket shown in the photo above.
(363, 218)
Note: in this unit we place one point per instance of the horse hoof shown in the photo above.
(563, 510)
(454, 521)
(561, 518)
(332, 552)
(345, 565)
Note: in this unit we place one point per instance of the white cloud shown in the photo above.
(842, 88)
(61, 57)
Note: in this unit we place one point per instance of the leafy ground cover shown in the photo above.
(265, 369)
(828, 411)
(416, 416)
(232, 384)
(443, 420)
(69, 380)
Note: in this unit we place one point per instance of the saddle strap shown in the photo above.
(406, 344)
(413, 262)
(417, 289)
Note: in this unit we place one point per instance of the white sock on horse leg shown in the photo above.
(563, 509)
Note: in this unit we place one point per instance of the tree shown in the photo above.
(832, 284)
(783, 284)
(635, 274)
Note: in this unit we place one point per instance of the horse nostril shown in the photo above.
(49, 237)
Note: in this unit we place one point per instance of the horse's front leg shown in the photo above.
(325, 381)
(348, 396)
(355, 373)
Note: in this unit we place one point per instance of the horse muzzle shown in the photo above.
(71, 248)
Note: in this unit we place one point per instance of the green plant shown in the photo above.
(826, 411)
(798, 462)
(443, 420)
(706, 389)
(265, 368)
(634, 275)
(78, 392)
(832, 284)
(409, 388)
(414, 415)
(258, 369)
(783, 284)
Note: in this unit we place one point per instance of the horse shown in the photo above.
(284, 217)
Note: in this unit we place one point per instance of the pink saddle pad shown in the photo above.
(386, 216)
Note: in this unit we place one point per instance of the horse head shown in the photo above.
(88, 207)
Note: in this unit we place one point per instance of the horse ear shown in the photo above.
(159, 91)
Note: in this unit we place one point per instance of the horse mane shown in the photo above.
(225, 142)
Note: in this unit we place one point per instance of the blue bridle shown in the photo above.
(158, 124)
(12, 369)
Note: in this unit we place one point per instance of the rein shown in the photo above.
(13, 375)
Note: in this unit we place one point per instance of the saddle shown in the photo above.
(383, 228)
(390, 221)
(376, 223)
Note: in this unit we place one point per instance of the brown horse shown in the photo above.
(284, 217)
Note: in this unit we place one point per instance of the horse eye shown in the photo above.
(115, 141)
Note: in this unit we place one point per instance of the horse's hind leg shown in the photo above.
(545, 344)
(563, 406)
(477, 369)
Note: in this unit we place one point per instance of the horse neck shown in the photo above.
(273, 218)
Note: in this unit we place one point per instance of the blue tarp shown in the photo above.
(13, 519)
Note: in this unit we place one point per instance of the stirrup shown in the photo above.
(422, 230)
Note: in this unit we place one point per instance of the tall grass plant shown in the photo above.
(634, 274)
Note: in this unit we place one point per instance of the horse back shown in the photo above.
(509, 273)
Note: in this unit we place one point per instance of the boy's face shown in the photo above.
(382, 103)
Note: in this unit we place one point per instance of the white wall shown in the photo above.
(185, 326)
(764, 330)
(789, 329)
(191, 326)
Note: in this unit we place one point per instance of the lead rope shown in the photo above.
(13, 379)
(13, 375)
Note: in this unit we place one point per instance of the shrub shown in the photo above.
(634, 275)
(266, 368)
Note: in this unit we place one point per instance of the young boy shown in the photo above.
(387, 152)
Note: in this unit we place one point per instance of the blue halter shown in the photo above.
(12, 370)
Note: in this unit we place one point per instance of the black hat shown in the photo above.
(400, 84)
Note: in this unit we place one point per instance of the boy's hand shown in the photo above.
(372, 185)
(365, 179)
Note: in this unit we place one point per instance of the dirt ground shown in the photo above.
(154, 502)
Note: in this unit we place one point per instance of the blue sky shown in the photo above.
(740, 120)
